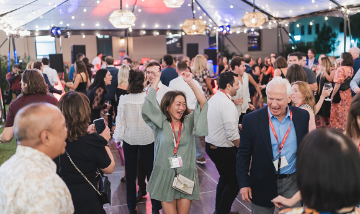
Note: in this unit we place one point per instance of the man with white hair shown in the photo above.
(269, 140)
(28, 180)
(354, 51)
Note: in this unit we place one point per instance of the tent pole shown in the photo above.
(277, 38)
(348, 21)
(344, 33)
(282, 42)
(290, 37)
(4, 42)
(217, 40)
(2, 93)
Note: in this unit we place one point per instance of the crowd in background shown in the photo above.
(282, 131)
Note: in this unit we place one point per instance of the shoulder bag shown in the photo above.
(104, 185)
(343, 87)
(181, 183)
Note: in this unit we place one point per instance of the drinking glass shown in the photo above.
(327, 87)
(107, 102)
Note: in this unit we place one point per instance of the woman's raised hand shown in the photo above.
(187, 76)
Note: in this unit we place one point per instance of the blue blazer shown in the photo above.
(316, 61)
(255, 146)
(114, 83)
(51, 88)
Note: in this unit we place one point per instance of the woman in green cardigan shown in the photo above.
(166, 120)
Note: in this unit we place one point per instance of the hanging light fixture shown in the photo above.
(193, 26)
(173, 3)
(122, 18)
(254, 19)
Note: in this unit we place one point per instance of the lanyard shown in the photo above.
(178, 138)
(274, 132)
(225, 93)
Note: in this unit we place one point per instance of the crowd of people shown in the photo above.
(282, 132)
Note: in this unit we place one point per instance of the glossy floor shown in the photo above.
(208, 178)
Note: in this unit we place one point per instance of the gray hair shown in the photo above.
(280, 81)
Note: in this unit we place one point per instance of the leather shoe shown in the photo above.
(140, 194)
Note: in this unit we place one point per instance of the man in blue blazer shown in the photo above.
(111, 88)
(263, 133)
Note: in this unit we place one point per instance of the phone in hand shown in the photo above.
(99, 125)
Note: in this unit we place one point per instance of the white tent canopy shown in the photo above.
(151, 14)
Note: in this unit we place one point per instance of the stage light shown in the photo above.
(221, 28)
(58, 32)
(227, 28)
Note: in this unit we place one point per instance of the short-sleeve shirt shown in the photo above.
(201, 79)
(310, 75)
(24, 100)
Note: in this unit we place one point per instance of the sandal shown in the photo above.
(123, 179)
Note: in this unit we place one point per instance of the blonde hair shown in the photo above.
(307, 94)
(123, 75)
(199, 65)
(29, 65)
(326, 63)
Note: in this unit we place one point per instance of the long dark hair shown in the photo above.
(81, 68)
(99, 80)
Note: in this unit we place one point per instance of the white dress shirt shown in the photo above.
(223, 121)
(96, 61)
(243, 93)
(162, 89)
(178, 84)
(130, 126)
(29, 184)
(51, 73)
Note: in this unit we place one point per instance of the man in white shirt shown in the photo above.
(162, 89)
(51, 73)
(178, 84)
(97, 63)
(242, 98)
(28, 180)
(223, 140)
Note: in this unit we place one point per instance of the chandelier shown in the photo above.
(254, 19)
(173, 3)
(193, 26)
(122, 18)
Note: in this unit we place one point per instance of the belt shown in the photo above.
(282, 176)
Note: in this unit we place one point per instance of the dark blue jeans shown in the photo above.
(131, 153)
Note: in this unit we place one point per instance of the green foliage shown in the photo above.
(4, 67)
(326, 40)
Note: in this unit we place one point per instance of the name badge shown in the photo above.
(175, 162)
(283, 163)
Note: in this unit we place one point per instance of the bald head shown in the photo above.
(354, 51)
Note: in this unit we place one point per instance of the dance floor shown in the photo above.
(208, 178)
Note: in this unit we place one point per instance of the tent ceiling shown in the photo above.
(153, 15)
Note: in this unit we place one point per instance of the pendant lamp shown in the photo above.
(122, 18)
(193, 26)
(173, 3)
(254, 19)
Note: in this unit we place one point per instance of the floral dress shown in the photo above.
(339, 111)
(202, 81)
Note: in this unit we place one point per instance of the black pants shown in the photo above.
(111, 112)
(141, 175)
(131, 153)
(227, 188)
(243, 114)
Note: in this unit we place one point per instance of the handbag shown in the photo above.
(343, 87)
(183, 184)
(104, 185)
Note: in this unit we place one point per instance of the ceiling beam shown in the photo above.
(333, 1)
(259, 9)
(206, 13)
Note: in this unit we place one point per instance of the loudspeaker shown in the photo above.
(211, 54)
(76, 49)
(192, 49)
(56, 62)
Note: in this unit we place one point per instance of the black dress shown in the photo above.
(88, 153)
(82, 86)
(264, 81)
(119, 92)
(97, 102)
(326, 106)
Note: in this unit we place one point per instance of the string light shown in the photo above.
(98, 1)
(144, 32)
(311, 23)
(231, 6)
(156, 25)
(67, 24)
(82, 24)
(84, 10)
(139, 10)
(326, 18)
(97, 24)
(73, 17)
(297, 25)
(61, 22)
(169, 26)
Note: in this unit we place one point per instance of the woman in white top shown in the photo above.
(138, 138)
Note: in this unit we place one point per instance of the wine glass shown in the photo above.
(107, 102)
(327, 87)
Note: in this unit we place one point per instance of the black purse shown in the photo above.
(343, 87)
(104, 185)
